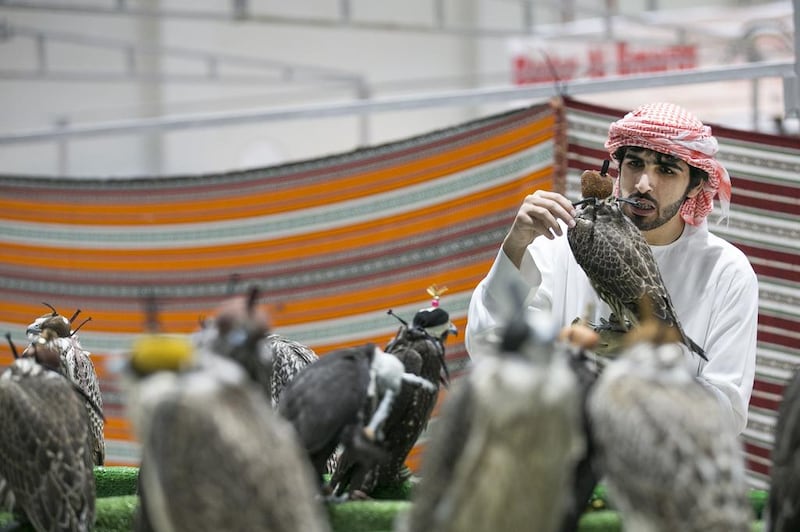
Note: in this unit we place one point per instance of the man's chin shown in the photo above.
(645, 223)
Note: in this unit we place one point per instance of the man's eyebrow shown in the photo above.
(668, 160)
(661, 158)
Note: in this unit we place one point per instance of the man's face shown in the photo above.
(659, 183)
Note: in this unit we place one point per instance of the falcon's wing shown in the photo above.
(326, 396)
(78, 367)
(443, 453)
(620, 264)
(44, 452)
(405, 350)
(644, 267)
(408, 355)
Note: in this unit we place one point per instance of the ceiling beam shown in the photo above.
(454, 98)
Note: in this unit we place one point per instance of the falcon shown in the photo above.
(215, 455)
(46, 463)
(54, 331)
(620, 265)
(344, 399)
(579, 340)
(669, 456)
(783, 508)
(420, 346)
(272, 369)
(503, 451)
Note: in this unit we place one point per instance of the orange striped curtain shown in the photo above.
(333, 242)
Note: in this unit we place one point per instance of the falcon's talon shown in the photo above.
(358, 495)
(611, 325)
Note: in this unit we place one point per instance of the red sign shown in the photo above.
(600, 61)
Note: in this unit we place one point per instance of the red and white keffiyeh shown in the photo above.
(670, 129)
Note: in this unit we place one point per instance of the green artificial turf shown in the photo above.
(758, 498)
(365, 516)
(397, 492)
(115, 513)
(6, 519)
(600, 521)
(115, 481)
(117, 501)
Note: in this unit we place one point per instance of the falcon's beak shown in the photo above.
(452, 329)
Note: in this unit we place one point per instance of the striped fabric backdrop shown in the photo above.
(764, 223)
(333, 242)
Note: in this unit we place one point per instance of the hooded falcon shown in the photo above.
(619, 262)
(215, 456)
(281, 360)
(55, 331)
(420, 346)
(783, 506)
(278, 363)
(667, 452)
(502, 453)
(344, 399)
(326, 402)
(46, 468)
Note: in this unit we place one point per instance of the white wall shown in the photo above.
(389, 62)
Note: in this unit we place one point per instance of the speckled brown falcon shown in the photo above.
(215, 455)
(663, 444)
(620, 265)
(56, 331)
(46, 468)
(503, 451)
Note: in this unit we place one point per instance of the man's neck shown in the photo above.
(667, 233)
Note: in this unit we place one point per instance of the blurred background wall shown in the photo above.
(65, 66)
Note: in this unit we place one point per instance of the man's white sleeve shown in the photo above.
(731, 345)
(492, 303)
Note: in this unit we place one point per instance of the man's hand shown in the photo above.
(538, 215)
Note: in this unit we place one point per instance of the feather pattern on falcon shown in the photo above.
(289, 357)
(667, 453)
